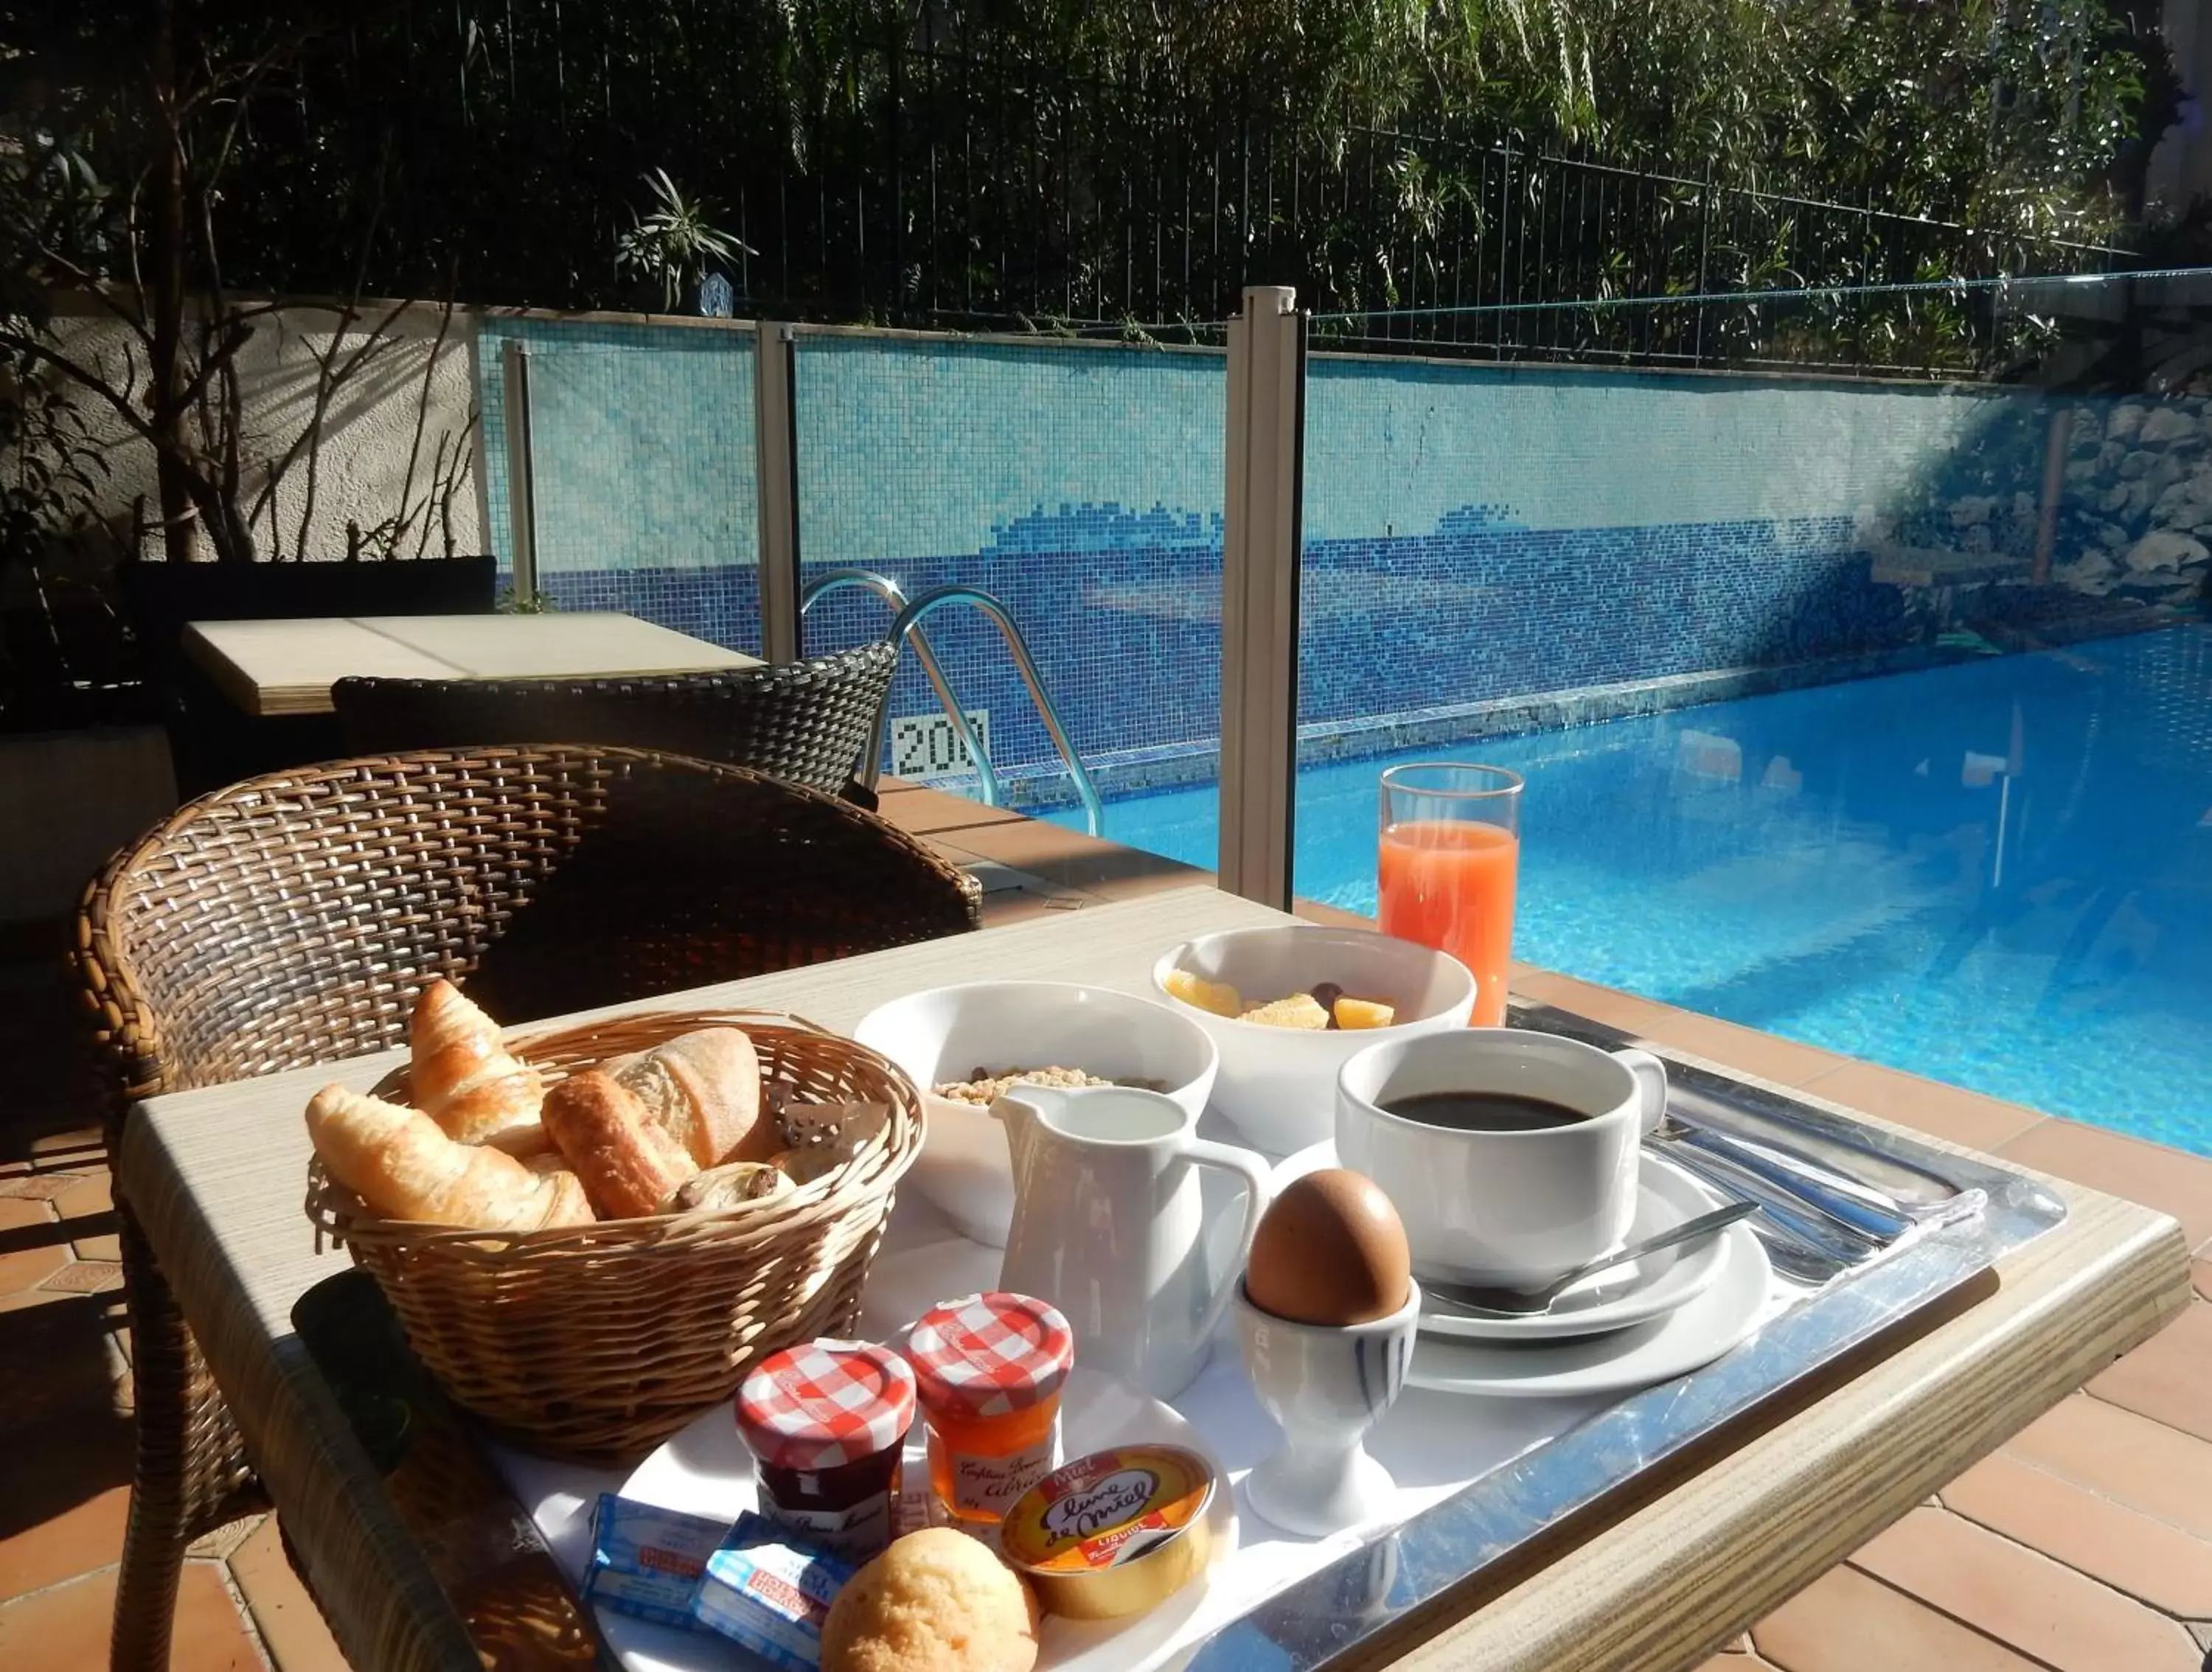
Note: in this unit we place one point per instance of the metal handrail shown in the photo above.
(889, 591)
(907, 625)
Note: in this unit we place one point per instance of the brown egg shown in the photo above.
(1330, 1249)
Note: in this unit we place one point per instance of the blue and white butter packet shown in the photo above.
(646, 1561)
(770, 1595)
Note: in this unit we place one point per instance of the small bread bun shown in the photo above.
(703, 1089)
(937, 1601)
(731, 1185)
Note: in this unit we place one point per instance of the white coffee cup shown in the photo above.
(1508, 1208)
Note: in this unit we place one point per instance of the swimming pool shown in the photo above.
(1996, 873)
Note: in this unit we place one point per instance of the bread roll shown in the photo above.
(703, 1089)
(401, 1164)
(937, 1601)
(629, 1165)
(464, 1079)
(731, 1185)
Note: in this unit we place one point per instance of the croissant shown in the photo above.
(464, 1079)
(703, 1089)
(628, 1164)
(398, 1162)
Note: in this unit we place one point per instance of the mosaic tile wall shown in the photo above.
(1401, 447)
(1473, 532)
(1079, 484)
(643, 468)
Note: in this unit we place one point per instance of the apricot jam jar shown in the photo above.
(826, 1423)
(989, 1371)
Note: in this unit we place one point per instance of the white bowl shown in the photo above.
(1279, 1084)
(945, 1033)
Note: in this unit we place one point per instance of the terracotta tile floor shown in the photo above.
(2084, 1545)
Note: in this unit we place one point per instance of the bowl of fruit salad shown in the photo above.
(1288, 1005)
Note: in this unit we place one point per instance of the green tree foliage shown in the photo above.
(1108, 158)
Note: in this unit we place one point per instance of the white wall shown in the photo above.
(363, 474)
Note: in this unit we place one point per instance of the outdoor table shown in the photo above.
(288, 667)
(1652, 1578)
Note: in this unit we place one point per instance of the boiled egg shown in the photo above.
(1330, 1249)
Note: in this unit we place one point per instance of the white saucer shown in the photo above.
(706, 1470)
(1741, 1298)
(1616, 1299)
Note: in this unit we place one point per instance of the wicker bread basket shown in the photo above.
(596, 1342)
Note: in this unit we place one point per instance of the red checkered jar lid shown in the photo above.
(825, 1403)
(990, 1354)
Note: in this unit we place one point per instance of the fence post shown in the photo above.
(521, 487)
(2056, 443)
(1263, 476)
(775, 475)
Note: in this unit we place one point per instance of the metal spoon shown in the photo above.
(1519, 1303)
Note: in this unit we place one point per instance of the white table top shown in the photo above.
(288, 667)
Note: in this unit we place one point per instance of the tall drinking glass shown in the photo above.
(1446, 866)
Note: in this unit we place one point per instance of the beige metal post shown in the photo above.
(1263, 476)
(521, 487)
(776, 491)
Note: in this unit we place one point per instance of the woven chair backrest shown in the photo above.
(806, 722)
(291, 919)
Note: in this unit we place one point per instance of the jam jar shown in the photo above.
(989, 1371)
(826, 1423)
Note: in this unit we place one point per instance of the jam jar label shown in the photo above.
(856, 1533)
(989, 1487)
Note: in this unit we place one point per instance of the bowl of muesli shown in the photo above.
(964, 1046)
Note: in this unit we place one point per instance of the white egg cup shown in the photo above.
(1327, 1386)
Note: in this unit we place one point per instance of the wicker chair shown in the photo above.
(811, 722)
(288, 920)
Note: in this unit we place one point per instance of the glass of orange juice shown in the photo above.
(1446, 866)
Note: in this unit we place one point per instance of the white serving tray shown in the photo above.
(1477, 1477)
(1433, 1444)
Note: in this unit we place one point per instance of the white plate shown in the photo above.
(1616, 1299)
(706, 1470)
(1741, 1298)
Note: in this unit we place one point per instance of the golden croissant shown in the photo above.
(405, 1167)
(464, 1079)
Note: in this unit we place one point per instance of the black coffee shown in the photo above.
(1483, 1111)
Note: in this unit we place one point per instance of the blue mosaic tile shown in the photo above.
(1489, 548)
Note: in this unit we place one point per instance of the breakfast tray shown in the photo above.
(1523, 1513)
(1539, 1476)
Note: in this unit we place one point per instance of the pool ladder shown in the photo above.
(907, 628)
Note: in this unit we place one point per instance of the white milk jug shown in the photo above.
(1109, 1226)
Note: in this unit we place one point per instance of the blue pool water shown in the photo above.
(1997, 873)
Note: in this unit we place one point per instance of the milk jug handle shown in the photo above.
(1250, 1167)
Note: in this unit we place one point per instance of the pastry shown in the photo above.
(464, 1079)
(628, 1161)
(731, 1185)
(405, 1167)
(703, 1089)
(937, 1601)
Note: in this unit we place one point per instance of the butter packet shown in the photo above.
(768, 1595)
(646, 1561)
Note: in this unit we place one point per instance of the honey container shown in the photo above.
(1113, 1533)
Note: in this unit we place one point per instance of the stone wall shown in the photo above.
(2136, 516)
